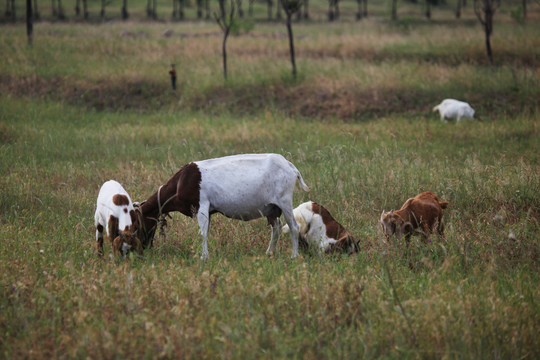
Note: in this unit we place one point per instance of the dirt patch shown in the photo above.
(318, 101)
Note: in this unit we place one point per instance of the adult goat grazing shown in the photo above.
(245, 187)
(454, 109)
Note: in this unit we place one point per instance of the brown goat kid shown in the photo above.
(423, 211)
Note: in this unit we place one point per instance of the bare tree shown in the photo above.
(124, 11)
(485, 10)
(60, 12)
(290, 7)
(428, 9)
(225, 20)
(10, 9)
(199, 9)
(151, 9)
(269, 4)
(178, 9)
(250, 9)
(365, 8)
(305, 7)
(333, 10)
(240, 10)
(29, 21)
(36, 12)
(278, 10)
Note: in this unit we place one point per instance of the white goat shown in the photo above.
(115, 213)
(245, 187)
(454, 109)
(319, 229)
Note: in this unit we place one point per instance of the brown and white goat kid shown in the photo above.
(318, 229)
(115, 213)
(423, 211)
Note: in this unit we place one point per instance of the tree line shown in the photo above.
(274, 9)
(231, 10)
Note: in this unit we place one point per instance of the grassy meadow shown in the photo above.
(89, 102)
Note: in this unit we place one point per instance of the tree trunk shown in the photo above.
(428, 9)
(488, 27)
(181, 15)
(61, 15)
(291, 44)
(29, 21)
(199, 9)
(240, 10)
(224, 52)
(78, 7)
(524, 2)
(85, 9)
(488, 48)
(53, 7)
(365, 8)
(458, 9)
(125, 14)
(13, 15)
(278, 9)
(36, 12)
(102, 12)
(394, 10)
(359, 12)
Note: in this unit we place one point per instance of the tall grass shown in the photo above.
(470, 294)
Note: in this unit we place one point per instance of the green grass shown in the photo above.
(357, 124)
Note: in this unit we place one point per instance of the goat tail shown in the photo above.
(444, 204)
(302, 183)
(299, 177)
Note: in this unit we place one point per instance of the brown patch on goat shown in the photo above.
(180, 193)
(133, 216)
(424, 211)
(336, 231)
(112, 225)
(119, 199)
(99, 243)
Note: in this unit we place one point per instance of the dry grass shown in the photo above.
(86, 105)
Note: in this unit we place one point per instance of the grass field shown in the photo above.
(86, 104)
